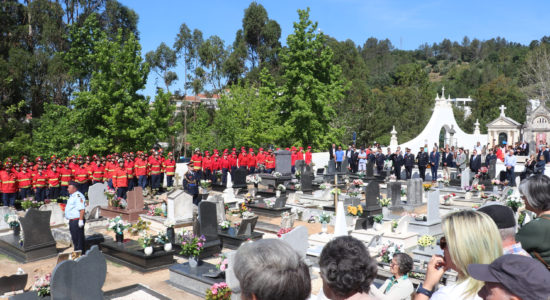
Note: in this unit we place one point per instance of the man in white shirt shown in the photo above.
(510, 163)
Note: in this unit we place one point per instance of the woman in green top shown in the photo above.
(535, 235)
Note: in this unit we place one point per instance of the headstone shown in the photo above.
(179, 205)
(493, 169)
(283, 162)
(465, 178)
(345, 164)
(229, 183)
(414, 191)
(220, 209)
(247, 226)
(370, 169)
(96, 196)
(306, 180)
(395, 194)
(13, 283)
(4, 210)
(297, 238)
(208, 226)
(402, 225)
(280, 202)
(299, 165)
(353, 201)
(135, 199)
(57, 217)
(432, 214)
(331, 167)
(239, 177)
(36, 228)
(372, 192)
(80, 279)
(320, 171)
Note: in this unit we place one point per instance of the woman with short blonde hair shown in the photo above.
(470, 237)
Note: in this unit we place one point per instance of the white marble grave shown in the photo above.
(57, 218)
(432, 225)
(400, 236)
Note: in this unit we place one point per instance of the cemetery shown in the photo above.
(151, 236)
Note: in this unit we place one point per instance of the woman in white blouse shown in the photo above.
(399, 286)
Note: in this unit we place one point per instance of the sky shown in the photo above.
(407, 23)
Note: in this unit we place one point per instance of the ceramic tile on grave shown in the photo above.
(273, 212)
(130, 254)
(38, 240)
(232, 238)
(432, 225)
(192, 280)
(132, 212)
(407, 239)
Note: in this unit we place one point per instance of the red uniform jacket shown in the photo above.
(120, 177)
(9, 182)
(140, 167)
(40, 180)
(308, 157)
(24, 179)
(98, 172)
(53, 178)
(251, 160)
(170, 167)
(66, 176)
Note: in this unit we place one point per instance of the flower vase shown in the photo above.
(193, 262)
(393, 229)
(278, 194)
(377, 226)
(324, 228)
(421, 248)
(515, 209)
(16, 230)
(385, 211)
(119, 237)
(170, 233)
(468, 196)
(168, 247)
(148, 250)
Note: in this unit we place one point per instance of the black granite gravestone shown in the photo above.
(370, 169)
(239, 177)
(283, 162)
(208, 226)
(331, 168)
(131, 254)
(299, 165)
(233, 239)
(13, 283)
(372, 196)
(38, 242)
(306, 181)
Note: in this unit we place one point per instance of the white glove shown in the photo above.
(80, 223)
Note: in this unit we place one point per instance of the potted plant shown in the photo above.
(377, 222)
(191, 247)
(385, 203)
(118, 226)
(146, 241)
(13, 221)
(394, 226)
(225, 225)
(324, 219)
(218, 291)
(280, 189)
(162, 239)
(42, 285)
(425, 241)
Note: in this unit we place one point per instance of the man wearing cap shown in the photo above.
(54, 178)
(140, 167)
(506, 224)
(80, 174)
(196, 162)
(155, 170)
(512, 277)
(129, 164)
(120, 179)
(40, 182)
(66, 176)
(260, 160)
(408, 160)
(251, 161)
(190, 183)
(24, 182)
(270, 162)
(233, 161)
(225, 165)
(74, 212)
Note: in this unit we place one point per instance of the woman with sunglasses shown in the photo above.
(470, 237)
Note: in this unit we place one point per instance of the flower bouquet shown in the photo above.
(384, 202)
(467, 188)
(222, 264)
(12, 220)
(358, 182)
(218, 291)
(161, 239)
(248, 198)
(426, 240)
(355, 211)
(281, 188)
(145, 240)
(448, 199)
(117, 225)
(427, 186)
(394, 225)
(479, 187)
(155, 210)
(354, 192)
(324, 186)
(335, 191)
(514, 203)
(253, 178)
(42, 285)
(205, 184)
(277, 174)
(324, 218)
(140, 226)
(378, 219)
(225, 225)
(110, 194)
(388, 250)
(191, 245)
(283, 231)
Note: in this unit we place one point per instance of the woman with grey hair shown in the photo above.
(347, 269)
(270, 269)
(399, 286)
(535, 235)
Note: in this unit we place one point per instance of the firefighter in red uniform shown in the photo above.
(80, 174)
(98, 172)
(120, 179)
(243, 159)
(109, 169)
(196, 163)
(308, 156)
(140, 167)
(54, 185)
(251, 161)
(8, 181)
(170, 169)
(207, 166)
(66, 176)
(24, 181)
(260, 161)
(155, 169)
(216, 166)
(233, 161)
(225, 165)
(270, 162)
(40, 183)
(130, 165)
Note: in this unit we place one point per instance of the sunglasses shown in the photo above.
(442, 243)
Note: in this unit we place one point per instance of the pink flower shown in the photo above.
(222, 268)
(200, 245)
(223, 285)
(214, 290)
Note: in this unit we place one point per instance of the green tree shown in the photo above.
(161, 61)
(312, 84)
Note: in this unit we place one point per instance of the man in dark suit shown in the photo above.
(409, 163)
(475, 162)
(490, 157)
(331, 151)
(434, 163)
(422, 160)
(546, 154)
(397, 158)
(380, 158)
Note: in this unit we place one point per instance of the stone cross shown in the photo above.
(502, 108)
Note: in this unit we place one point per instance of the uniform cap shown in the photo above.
(502, 215)
(261, 149)
(309, 147)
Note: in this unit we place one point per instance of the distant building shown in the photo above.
(503, 129)
(536, 129)
(210, 101)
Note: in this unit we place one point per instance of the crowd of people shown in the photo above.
(491, 260)
(44, 179)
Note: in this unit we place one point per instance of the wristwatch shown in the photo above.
(423, 291)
